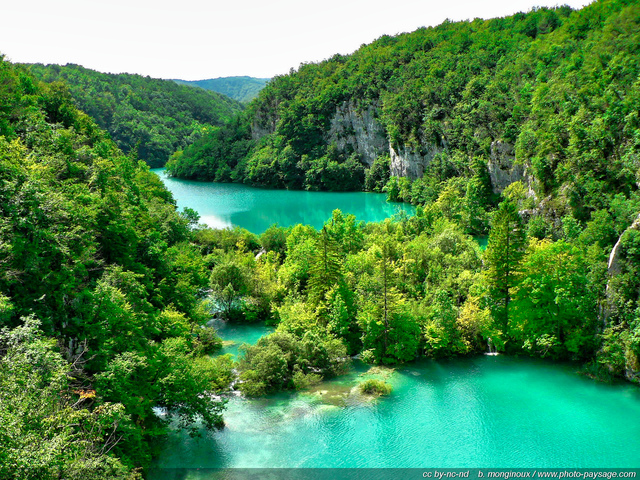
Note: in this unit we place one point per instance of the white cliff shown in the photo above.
(503, 168)
(358, 129)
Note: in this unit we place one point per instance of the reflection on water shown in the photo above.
(222, 205)
(487, 411)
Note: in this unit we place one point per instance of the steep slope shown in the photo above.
(524, 128)
(546, 97)
(103, 291)
(151, 116)
(242, 89)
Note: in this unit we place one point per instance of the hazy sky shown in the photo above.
(196, 39)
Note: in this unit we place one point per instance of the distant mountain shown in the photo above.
(242, 89)
(155, 117)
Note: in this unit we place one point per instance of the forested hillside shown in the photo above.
(101, 297)
(525, 128)
(242, 89)
(548, 97)
(152, 117)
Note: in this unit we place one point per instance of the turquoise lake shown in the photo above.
(223, 205)
(484, 411)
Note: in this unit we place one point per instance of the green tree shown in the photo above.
(377, 176)
(326, 270)
(441, 334)
(478, 198)
(230, 282)
(390, 335)
(92, 245)
(48, 426)
(503, 256)
(150, 118)
(554, 311)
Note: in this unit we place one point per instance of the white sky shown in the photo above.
(197, 39)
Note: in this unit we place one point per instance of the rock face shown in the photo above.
(259, 130)
(502, 167)
(614, 267)
(405, 162)
(633, 373)
(265, 120)
(358, 129)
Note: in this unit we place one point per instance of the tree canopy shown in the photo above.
(148, 116)
(102, 300)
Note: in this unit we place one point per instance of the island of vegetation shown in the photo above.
(375, 387)
(524, 129)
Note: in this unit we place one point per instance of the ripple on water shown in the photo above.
(474, 412)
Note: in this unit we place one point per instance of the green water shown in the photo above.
(487, 411)
(222, 205)
(483, 241)
(235, 335)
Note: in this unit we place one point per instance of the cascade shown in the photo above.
(491, 347)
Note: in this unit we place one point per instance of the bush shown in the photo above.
(375, 387)
(207, 341)
(302, 381)
(283, 361)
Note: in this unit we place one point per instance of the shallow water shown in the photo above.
(223, 205)
(486, 411)
(235, 334)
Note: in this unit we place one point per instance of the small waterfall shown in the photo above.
(491, 347)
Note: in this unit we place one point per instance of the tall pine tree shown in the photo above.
(325, 272)
(503, 256)
(390, 334)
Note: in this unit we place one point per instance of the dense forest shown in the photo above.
(554, 90)
(101, 297)
(524, 129)
(150, 116)
(242, 89)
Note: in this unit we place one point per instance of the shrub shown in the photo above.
(375, 387)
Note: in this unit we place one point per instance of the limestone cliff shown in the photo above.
(406, 162)
(265, 120)
(615, 265)
(358, 129)
(503, 168)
